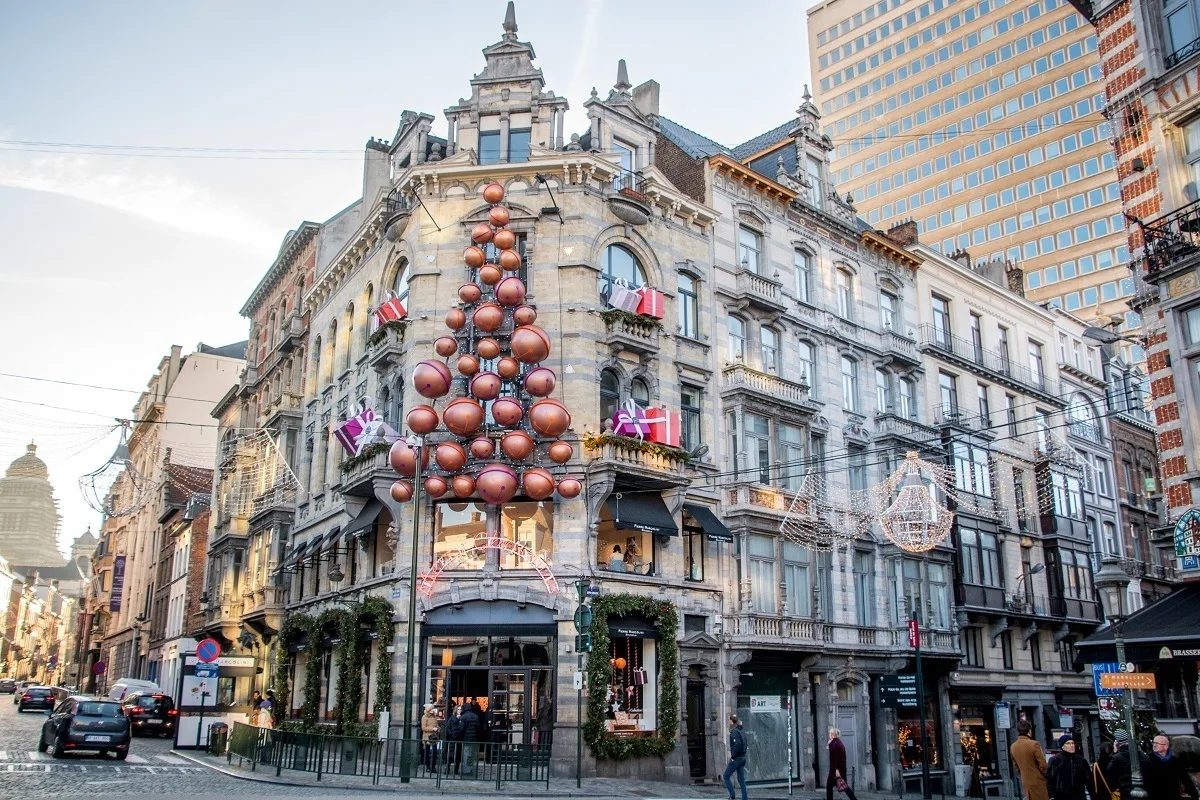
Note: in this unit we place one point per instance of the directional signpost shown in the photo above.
(1128, 680)
(898, 691)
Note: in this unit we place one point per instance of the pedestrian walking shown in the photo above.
(255, 703)
(1166, 775)
(836, 779)
(1030, 760)
(266, 710)
(737, 757)
(1120, 768)
(429, 734)
(454, 738)
(1067, 772)
(1103, 786)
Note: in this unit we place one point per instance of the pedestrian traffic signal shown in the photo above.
(583, 643)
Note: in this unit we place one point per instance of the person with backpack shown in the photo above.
(1067, 772)
(737, 757)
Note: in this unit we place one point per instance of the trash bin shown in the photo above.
(218, 738)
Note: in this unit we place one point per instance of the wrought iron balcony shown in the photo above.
(628, 200)
(1173, 239)
(1026, 604)
(1136, 568)
(954, 415)
(1182, 54)
(995, 366)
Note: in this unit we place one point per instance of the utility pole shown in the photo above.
(408, 747)
(583, 644)
(914, 641)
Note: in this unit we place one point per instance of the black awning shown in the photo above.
(636, 627)
(1168, 628)
(329, 537)
(298, 553)
(716, 530)
(365, 519)
(642, 511)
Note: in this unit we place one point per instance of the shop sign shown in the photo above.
(1167, 652)
(1189, 562)
(764, 704)
(1097, 671)
(1003, 716)
(118, 583)
(1187, 534)
(898, 691)
(1065, 718)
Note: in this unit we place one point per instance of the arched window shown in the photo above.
(332, 349)
(807, 357)
(689, 307)
(610, 394)
(621, 266)
(1083, 418)
(368, 296)
(849, 384)
(349, 335)
(640, 392)
(272, 330)
(400, 284)
(316, 365)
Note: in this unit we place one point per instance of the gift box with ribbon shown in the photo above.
(651, 302)
(623, 297)
(390, 310)
(630, 420)
(664, 426)
(350, 432)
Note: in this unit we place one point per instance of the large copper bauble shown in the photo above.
(404, 458)
(431, 379)
(549, 417)
(499, 216)
(493, 193)
(474, 257)
(508, 368)
(463, 416)
(517, 445)
(507, 412)
(496, 484)
(510, 291)
(445, 346)
(505, 240)
(569, 488)
(540, 382)
(524, 315)
(487, 349)
(468, 364)
(487, 385)
(538, 483)
(529, 344)
(481, 233)
(488, 317)
(455, 318)
(490, 275)
(435, 486)
(469, 292)
(560, 452)
(463, 485)
(482, 448)
(402, 491)
(510, 260)
(422, 420)
(450, 456)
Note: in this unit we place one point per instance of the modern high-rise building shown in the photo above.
(981, 121)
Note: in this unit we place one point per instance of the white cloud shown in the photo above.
(150, 194)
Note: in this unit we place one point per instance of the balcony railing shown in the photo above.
(954, 415)
(762, 627)
(1136, 568)
(1182, 54)
(1027, 603)
(901, 427)
(632, 332)
(994, 365)
(1074, 608)
(739, 376)
(759, 290)
(1087, 431)
(899, 345)
(1172, 238)
(620, 451)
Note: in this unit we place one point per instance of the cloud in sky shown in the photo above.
(138, 189)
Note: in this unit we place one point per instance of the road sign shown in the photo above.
(583, 643)
(1128, 680)
(1108, 708)
(593, 590)
(1097, 671)
(898, 691)
(1190, 562)
(207, 670)
(914, 633)
(208, 650)
(583, 619)
(99, 667)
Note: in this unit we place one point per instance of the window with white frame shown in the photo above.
(845, 294)
(1035, 363)
(768, 341)
(1111, 545)
(1104, 486)
(763, 594)
(807, 360)
(791, 455)
(1191, 140)
(908, 399)
(689, 307)
(737, 338)
(889, 309)
(883, 392)
(803, 263)
(849, 384)
(749, 248)
(758, 447)
(816, 190)
(796, 580)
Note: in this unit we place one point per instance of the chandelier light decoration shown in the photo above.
(823, 519)
(498, 433)
(909, 504)
(116, 488)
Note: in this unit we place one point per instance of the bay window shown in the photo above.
(763, 594)
(796, 580)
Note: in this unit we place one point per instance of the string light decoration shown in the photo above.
(908, 507)
(117, 488)
(256, 473)
(823, 519)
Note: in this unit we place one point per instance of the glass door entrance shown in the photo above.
(508, 707)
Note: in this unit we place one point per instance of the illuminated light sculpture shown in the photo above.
(908, 507)
(820, 518)
(483, 543)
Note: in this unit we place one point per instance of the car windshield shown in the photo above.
(99, 709)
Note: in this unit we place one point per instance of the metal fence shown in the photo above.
(365, 757)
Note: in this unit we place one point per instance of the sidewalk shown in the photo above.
(559, 787)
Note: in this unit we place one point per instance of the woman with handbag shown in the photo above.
(837, 767)
(1103, 788)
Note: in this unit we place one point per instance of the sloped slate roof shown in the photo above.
(235, 350)
(689, 141)
(763, 140)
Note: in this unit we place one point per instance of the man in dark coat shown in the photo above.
(1120, 770)
(837, 767)
(1166, 775)
(470, 739)
(1067, 773)
(737, 757)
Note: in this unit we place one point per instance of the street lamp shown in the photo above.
(138, 622)
(1023, 579)
(1112, 582)
(1105, 336)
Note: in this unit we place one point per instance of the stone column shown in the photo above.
(422, 145)
(504, 120)
(559, 121)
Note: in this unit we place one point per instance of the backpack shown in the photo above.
(1101, 783)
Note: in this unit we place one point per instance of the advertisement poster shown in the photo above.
(118, 583)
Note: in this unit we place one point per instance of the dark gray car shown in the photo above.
(84, 723)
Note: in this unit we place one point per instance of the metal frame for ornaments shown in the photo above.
(484, 542)
(97, 485)
(821, 519)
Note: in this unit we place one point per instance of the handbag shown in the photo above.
(842, 785)
(1098, 779)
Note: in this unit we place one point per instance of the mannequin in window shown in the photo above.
(633, 556)
(616, 562)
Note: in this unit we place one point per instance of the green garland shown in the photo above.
(598, 440)
(366, 454)
(665, 617)
(611, 315)
(397, 325)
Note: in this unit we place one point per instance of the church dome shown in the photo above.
(28, 465)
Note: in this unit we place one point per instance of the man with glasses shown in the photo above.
(1166, 775)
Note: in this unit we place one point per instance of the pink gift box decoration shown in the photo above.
(631, 421)
(664, 427)
(350, 432)
(651, 303)
(624, 298)
(390, 310)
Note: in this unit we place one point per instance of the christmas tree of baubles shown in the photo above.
(497, 349)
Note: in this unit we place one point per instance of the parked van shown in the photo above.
(127, 685)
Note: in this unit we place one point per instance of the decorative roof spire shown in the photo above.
(807, 94)
(622, 84)
(510, 22)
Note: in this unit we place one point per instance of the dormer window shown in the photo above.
(518, 146)
(627, 161)
(816, 192)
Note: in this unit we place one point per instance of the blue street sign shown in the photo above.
(1190, 562)
(1097, 669)
(207, 670)
(208, 650)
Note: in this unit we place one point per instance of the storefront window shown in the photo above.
(631, 696)
(908, 736)
(623, 550)
(456, 527)
(529, 524)
(693, 553)
(977, 740)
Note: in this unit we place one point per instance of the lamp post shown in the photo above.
(1112, 582)
(138, 622)
(418, 443)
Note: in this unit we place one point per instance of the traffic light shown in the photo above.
(583, 643)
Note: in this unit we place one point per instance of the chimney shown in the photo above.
(376, 171)
(645, 98)
(903, 233)
(1015, 276)
(962, 257)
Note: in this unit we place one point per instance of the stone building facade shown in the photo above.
(29, 513)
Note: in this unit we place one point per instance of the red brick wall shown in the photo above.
(684, 171)
(193, 619)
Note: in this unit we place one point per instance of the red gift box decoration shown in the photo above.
(650, 303)
(390, 310)
(664, 426)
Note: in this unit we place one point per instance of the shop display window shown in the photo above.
(624, 550)
(631, 697)
(456, 526)
(908, 736)
(531, 524)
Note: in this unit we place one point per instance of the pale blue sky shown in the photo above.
(107, 260)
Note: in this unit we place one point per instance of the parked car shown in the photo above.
(150, 712)
(127, 685)
(36, 698)
(84, 723)
(8, 686)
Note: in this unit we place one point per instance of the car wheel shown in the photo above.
(122, 755)
(59, 751)
(42, 746)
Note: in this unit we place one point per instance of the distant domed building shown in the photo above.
(28, 513)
